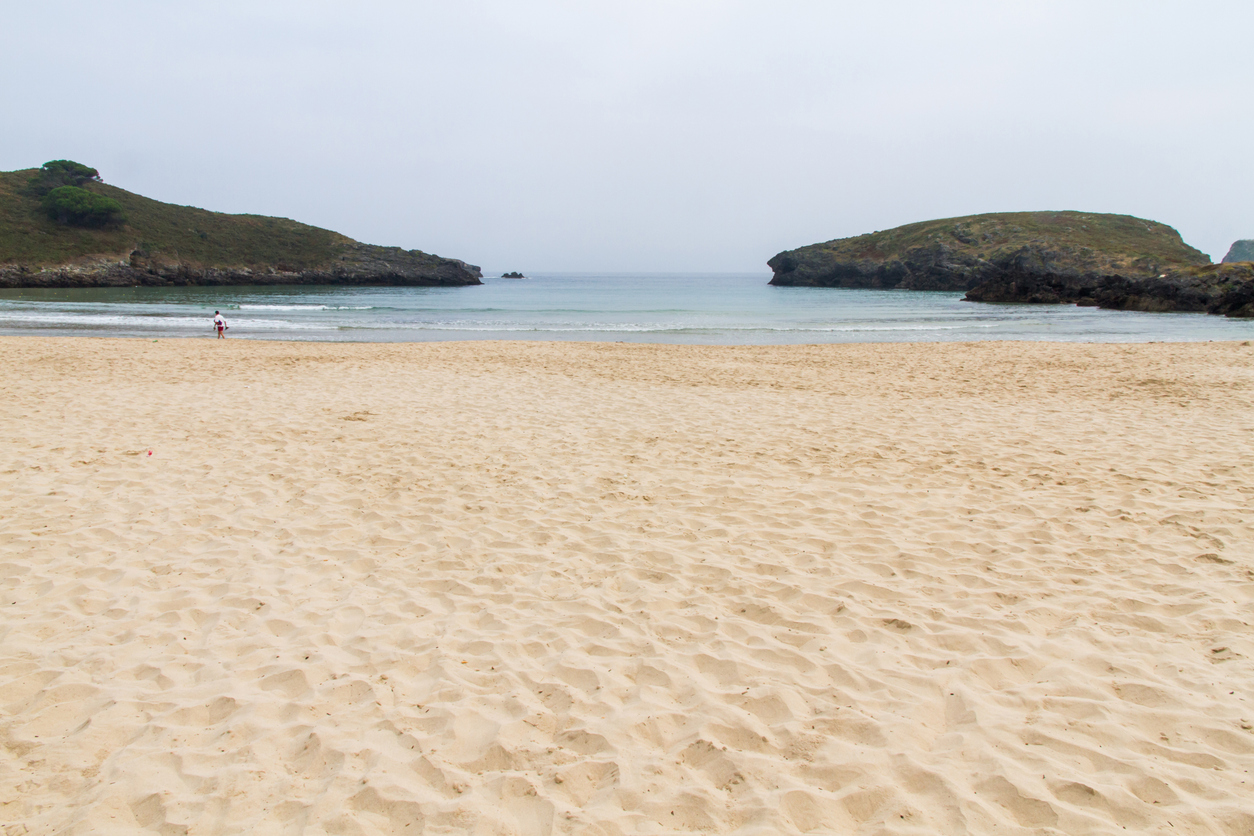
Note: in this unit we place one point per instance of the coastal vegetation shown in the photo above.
(74, 206)
(98, 234)
(60, 173)
(29, 236)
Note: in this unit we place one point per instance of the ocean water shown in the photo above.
(716, 309)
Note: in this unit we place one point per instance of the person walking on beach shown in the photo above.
(220, 324)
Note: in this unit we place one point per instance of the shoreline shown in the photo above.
(253, 339)
(678, 310)
(541, 586)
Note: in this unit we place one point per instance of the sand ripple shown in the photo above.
(610, 589)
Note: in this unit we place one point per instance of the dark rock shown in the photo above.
(1235, 290)
(513, 275)
(1223, 289)
(354, 264)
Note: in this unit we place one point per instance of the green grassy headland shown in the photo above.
(179, 233)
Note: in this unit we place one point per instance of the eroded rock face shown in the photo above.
(1223, 289)
(1240, 251)
(940, 266)
(1237, 296)
(354, 264)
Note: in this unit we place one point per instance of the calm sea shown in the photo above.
(724, 308)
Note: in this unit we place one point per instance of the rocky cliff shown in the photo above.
(1240, 251)
(354, 264)
(1113, 261)
(163, 244)
(1224, 289)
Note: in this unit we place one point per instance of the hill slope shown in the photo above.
(1240, 251)
(1113, 261)
(161, 243)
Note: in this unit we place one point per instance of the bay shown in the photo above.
(713, 308)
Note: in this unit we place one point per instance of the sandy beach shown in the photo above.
(533, 588)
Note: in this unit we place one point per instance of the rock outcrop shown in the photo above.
(357, 264)
(1112, 261)
(1224, 289)
(1240, 251)
(963, 253)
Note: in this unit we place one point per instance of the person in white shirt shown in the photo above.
(220, 324)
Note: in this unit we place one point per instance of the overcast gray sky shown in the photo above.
(681, 135)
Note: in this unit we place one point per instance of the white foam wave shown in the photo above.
(304, 307)
(659, 328)
(147, 323)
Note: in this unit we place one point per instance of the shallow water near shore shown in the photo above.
(711, 308)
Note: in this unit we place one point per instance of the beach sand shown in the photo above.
(532, 588)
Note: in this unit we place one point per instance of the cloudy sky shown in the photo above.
(641, 135)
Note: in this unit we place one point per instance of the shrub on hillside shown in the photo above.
(75, 206)
(56, 173)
